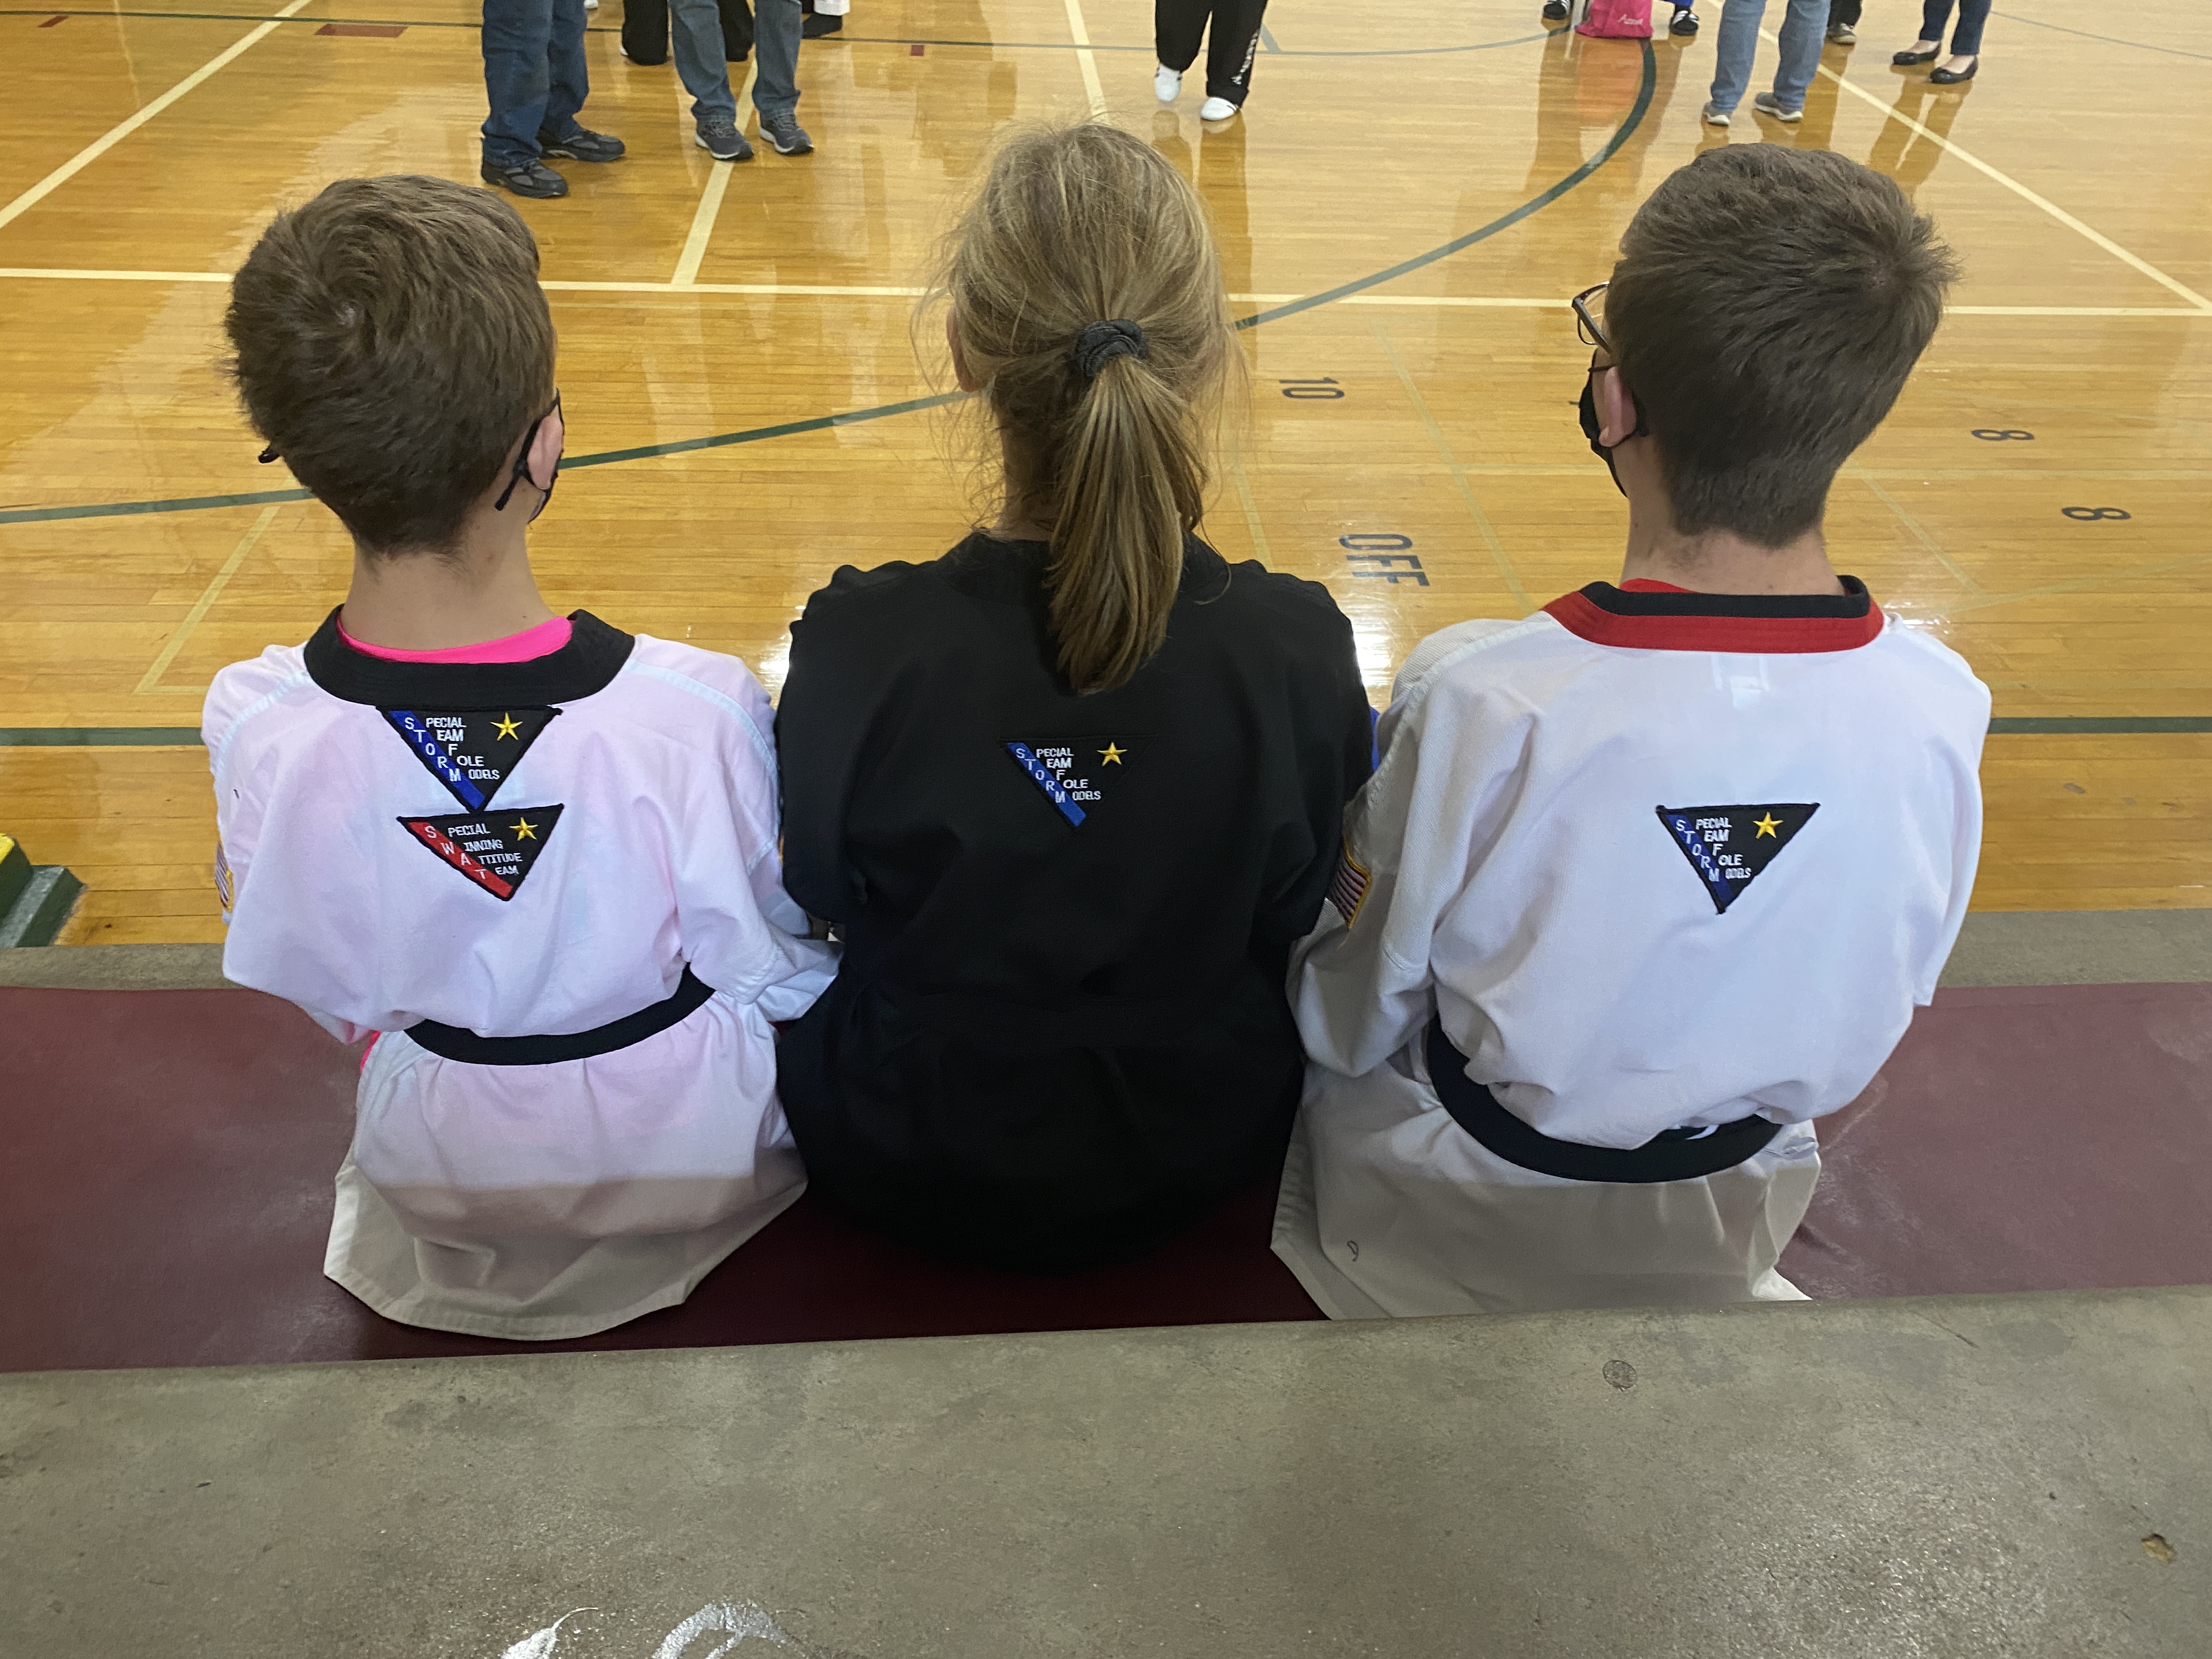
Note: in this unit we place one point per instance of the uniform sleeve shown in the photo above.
(830, 700)
(1334, 740)
(1414, 840)
(1965, 848)
(744, 938)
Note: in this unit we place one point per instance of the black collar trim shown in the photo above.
(991, 566)
(1851, 604)
(595, 654)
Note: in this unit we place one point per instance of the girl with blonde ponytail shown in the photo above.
(1069, 792)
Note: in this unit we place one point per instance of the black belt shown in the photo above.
(455, 1042)
(1671, 1155)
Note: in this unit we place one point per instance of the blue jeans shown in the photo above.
(535, 75)
(700, 60)
(1972, 14)
(775, 55)
(700, 52)
(1801, 32)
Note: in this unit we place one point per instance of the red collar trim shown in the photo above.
(1648, 616)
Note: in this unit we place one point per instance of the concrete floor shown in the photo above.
(1952, 1478)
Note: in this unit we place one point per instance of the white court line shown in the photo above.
(710, 199)
(193, 618)
(99, 146)
(1087, 59)
(30, 273)
(2017, 188)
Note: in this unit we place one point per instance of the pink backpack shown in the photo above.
(1616, 20)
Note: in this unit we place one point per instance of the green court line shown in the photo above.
(1634, 119)
(188, 736)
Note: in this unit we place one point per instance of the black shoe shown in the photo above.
(1555, 11)
(1685, 23)
(584, 145)
(819, 24)
(1944, 78)
(532, 178)
(1907, 59)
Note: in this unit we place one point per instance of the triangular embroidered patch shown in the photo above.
(1071, 771)
(470, 751)
(495, 850)
(1729, 846)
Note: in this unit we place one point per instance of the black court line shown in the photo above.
(188, 736)
(846, 39)
(2109, 40)
(1629, 123)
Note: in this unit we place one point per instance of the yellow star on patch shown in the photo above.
(1765, 826)
(1111, 755)
(524, 830)
(506, 725)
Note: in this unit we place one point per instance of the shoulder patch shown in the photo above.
(470, 751)
(495, 850)
(1347, 890)
(1729, 846)
(1071, 771)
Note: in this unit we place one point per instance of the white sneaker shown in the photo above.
(1767, 104)
(1167, 84)
(1216, 109)
(1715, 116)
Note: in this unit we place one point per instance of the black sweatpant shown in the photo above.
(1845, 11)
(1177, 25)
(645, 30)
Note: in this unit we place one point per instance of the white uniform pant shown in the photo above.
(1389, 1209)
(542, 1202)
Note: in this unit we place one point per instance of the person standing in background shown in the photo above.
(774, 30)
(1843, 21)
(706, 44)
(1966, 56)
(1176, 28)
(536, 80)
(824, 17)
(1801, 29)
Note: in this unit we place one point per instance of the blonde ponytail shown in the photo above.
(1075, 230)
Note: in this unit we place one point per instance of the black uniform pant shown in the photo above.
(645, 30)
(1845, 11)
(1177, 25)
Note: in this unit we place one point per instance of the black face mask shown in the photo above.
(1592, 426)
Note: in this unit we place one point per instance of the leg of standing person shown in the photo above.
(1732, 57)
(1933, 15)
(1965, 45)
(1231, 53)
(568, 83)
(1803, 27)
(517, 78)
(1843, 20)
(644, 31)
(776, 24)
(1178, 28)
(705, 75)
(737, 30)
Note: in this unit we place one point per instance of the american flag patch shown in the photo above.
(1348, 891)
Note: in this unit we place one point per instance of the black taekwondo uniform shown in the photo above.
(1060, 1031)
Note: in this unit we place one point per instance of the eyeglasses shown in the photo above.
(1587, 325)
(522, 467)
(521, 474)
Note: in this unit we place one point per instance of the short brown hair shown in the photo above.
(1076, 226)
(1767, 306)
(393, 346)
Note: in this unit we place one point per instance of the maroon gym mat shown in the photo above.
(164, 1191)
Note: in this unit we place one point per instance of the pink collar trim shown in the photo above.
(543, 641)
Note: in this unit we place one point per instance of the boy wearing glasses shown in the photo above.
(1645, 882)
(533, 857)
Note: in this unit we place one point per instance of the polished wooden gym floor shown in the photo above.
(735, 348)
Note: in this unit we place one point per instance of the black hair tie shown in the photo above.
(1100, 340)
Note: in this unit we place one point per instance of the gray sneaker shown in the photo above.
(1767, 104)
(1715, 116)
(531, 178)
(786, 134)
(722, 140)
(1842, 35)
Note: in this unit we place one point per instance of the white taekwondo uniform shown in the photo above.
(580, 843)
(1647, 864)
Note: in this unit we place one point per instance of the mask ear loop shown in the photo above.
(521, 474)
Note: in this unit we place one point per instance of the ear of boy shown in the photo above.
(1714, 561)
(481, 589)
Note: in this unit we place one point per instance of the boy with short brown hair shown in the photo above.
(568, 1114)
